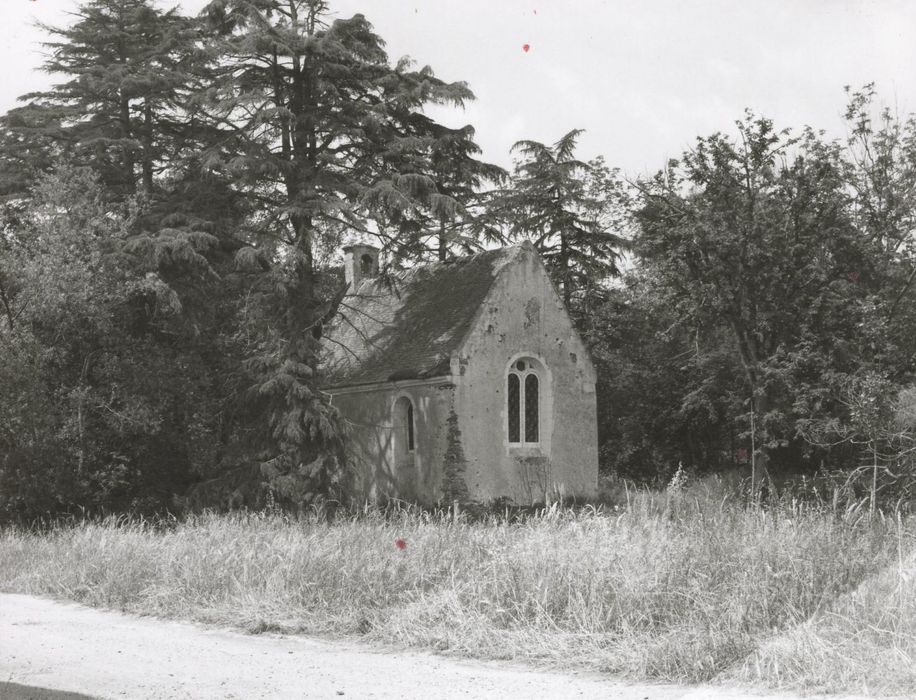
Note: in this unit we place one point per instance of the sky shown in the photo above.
(644, 78)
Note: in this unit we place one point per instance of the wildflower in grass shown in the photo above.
(679, 481)
(400, 544)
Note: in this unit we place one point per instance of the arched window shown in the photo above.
(365, 264)
(523, 403)
(404, 430)
(410, 445)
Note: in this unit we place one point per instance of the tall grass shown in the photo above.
(678, 587)
(865, 639)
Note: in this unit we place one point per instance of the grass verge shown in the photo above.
(681, 588)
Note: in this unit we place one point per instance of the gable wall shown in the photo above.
(523, 315)
(372, 450)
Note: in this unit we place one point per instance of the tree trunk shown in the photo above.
(147, 154)
(80, 416)
(128, 164)
(7, 307)
(443, 244)
(564, 270)
(753, 457)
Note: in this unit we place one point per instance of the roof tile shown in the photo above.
(407, 326)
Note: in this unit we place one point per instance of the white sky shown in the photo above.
(644, 78)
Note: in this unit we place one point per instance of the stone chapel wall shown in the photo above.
(524, 316)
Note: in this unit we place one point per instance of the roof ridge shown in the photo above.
(464, 258)
(408, 324)
(404, 274)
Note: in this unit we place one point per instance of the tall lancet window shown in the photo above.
(404, 434)
(532, 408)
(410, 443)
(514, 393)
(523, 402)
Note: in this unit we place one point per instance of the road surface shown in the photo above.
(57, 646)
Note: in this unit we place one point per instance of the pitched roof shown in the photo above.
(408, 326)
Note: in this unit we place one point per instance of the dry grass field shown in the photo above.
(684, 587)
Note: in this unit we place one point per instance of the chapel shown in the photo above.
(462, 381)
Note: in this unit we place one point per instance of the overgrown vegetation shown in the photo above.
(172, 208)
(686, 585)
(168, 226)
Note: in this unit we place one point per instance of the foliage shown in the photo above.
(230, 153)
(667, 394)
(449, 212)
(321, 135)
(877, 424)
(562, 205)
(173, 206)
(757, 236)
(96, 412)
(130, 69)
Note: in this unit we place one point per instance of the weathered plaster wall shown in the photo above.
(462, 449)
(523, 316)
(372, 449)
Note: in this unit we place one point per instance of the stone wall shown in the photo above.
(371, 448)
(462, 447)
(524, 317)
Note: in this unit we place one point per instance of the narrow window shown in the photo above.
(531, 408)
(403, 433)
(365, 264)
(513, 408)
(410, 444)
(523, 402)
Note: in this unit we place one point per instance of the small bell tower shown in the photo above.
(360, 262)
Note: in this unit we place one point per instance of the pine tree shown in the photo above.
(322, 134)
(559, 203)
(130, 69)
(126, 109)
(444, 211)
